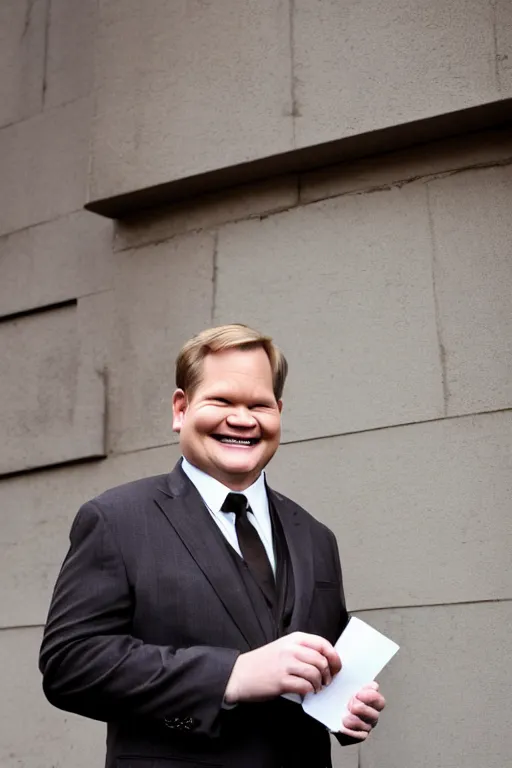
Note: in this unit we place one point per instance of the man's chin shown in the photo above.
(241, 476)
(239, 470)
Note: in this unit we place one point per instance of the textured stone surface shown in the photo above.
(208, 211)
(34, 734)
(37, 511)
(272, 77)
(43, 166)
(52, 262)
(473, 229)
(446, 688)
(22, 44)
(162, 296)
(344, 757)
(345, 288)
(485, 148)
(421, 513)
(365, 65)
(214, 89)
(70, 61)
(503, 26)
(52, 391)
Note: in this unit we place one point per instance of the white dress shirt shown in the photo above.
(214, 495)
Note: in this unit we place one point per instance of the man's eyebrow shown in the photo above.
(221, 394)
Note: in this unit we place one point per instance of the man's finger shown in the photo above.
(324, 647)
(294, 684)
(316, 659)
(362, 711)
(306, 672)
(360, 735)
(354, 723)
(371, 698)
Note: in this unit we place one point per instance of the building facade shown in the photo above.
(339, 175)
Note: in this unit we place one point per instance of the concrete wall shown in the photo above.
(386, 280)
(189, 87)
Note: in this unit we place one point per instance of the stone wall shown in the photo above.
(386, 280)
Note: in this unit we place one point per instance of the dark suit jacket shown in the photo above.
(149, 615)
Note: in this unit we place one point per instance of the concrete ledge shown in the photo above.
(492, 114)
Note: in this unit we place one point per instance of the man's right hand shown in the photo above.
(297, 663)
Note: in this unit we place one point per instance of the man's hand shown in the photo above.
(365, 708)
(297, 663)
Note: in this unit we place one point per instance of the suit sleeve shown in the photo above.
(344, 617)
(93, 666)
(343, 739)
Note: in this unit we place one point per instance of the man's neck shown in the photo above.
(232, 484)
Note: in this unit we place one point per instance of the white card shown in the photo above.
(364, 652)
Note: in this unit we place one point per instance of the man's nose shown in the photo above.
(241, 417)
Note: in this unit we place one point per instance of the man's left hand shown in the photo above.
(364, 708)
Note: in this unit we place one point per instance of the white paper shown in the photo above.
(364, 652)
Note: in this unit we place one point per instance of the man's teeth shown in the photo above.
(236, 441)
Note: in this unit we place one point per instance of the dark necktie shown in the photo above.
(251, 546)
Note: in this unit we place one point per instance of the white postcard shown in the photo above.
(364, 652)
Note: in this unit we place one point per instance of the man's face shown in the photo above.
(231, 425)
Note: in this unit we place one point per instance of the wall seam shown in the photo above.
(215, 270)
(335, 436)
(398, 184)
(28, 18)
(46, 51)
(411, 606)
(405, 424)
(439, 331)
(92, 459)
(496, 54)
(293, 80)
(39, 310)
(16, 627)
(41, 223)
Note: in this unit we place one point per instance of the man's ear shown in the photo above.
(179, 407)
(280, 405)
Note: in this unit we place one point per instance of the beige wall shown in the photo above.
(190, 87)
(386, 280)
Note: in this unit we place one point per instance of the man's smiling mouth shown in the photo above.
(227, 440)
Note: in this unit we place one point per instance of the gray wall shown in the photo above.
(386, 280)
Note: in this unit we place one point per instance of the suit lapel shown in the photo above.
(184, 509)
(300, 547)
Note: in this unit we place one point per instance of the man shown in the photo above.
(188, 603)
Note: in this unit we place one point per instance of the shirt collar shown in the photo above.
(214, 492)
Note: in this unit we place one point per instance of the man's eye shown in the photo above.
(221, 400)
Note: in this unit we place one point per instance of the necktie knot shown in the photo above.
(251, 546)
(235, 502)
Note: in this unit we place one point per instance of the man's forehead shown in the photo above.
(229, 362)
(235, 373)
(234, 380)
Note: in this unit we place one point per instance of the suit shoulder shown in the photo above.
(304, 515)
(128, 496)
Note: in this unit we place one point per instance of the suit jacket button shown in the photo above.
(174, 723)
(180, 723)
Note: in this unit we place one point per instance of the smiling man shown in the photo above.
(190, 602)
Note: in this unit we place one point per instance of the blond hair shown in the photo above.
(189, 363)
